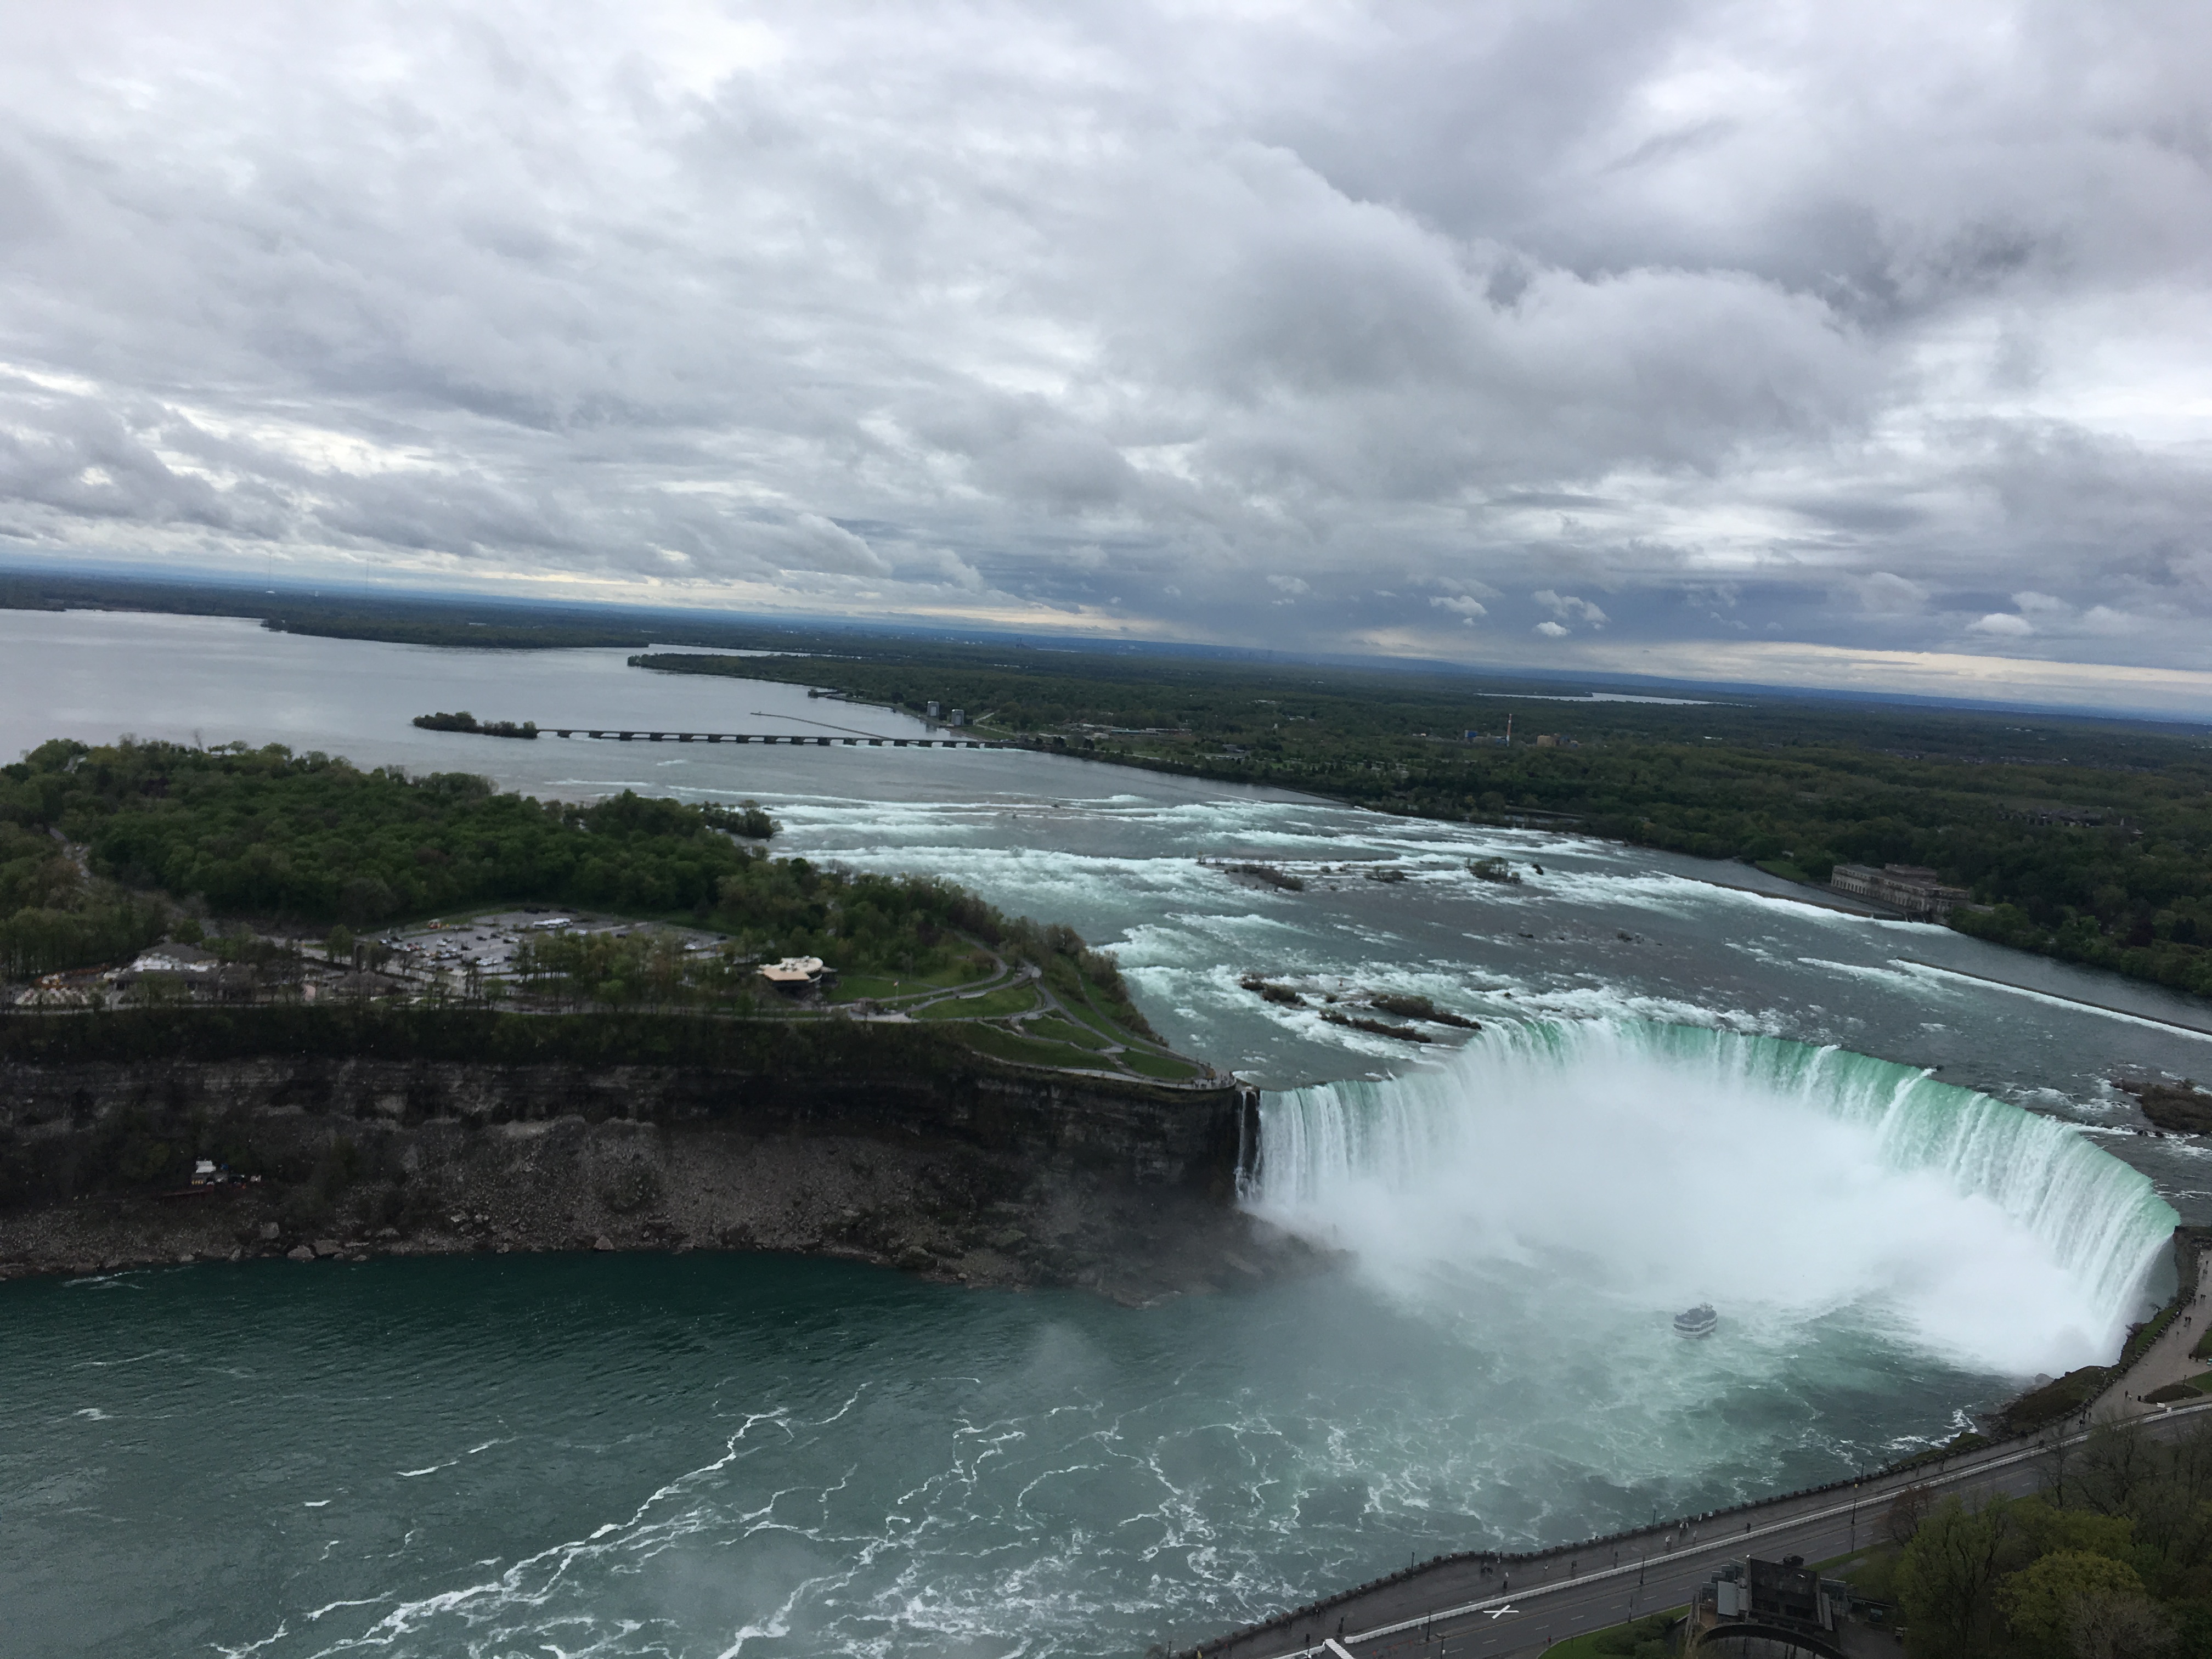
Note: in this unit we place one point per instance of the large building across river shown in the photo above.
(1912, 887)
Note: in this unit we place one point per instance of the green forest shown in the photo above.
(2087, 840)
(106, 850)
(2114, 1557)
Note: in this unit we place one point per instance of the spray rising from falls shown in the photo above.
(1637, 1168)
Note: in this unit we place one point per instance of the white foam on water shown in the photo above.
(1601, 1002)
(1875, 973)
(1634, 1168)
(1928, 973)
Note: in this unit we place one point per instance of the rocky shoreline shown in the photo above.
(845, 1199)
(984, 1180)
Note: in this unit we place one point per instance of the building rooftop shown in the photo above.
(793, 970)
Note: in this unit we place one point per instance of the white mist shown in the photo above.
(1591, 1180)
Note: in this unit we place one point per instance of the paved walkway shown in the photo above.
(2168, 1360)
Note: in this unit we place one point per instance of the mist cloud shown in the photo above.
(1509, 332)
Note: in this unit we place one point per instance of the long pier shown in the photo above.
(611, 735)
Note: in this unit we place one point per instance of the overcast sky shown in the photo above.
(1836, 343)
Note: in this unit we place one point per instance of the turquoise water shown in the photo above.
(763, 1456)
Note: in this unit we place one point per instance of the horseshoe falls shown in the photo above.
(682, 1457)
(1620, 1171)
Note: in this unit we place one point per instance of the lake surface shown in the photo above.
(756, 1455)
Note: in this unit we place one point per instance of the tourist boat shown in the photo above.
(1697, 1322)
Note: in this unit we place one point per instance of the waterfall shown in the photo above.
(1645, 1164)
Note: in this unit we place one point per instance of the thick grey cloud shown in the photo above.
(1549, 331)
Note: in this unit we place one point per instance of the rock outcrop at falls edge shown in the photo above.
(470, 1131)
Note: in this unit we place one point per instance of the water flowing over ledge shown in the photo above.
(1646, 1164)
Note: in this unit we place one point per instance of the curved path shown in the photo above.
(1114, 1041)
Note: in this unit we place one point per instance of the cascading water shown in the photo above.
(1604, 1170)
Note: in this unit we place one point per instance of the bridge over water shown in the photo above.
(855, 741)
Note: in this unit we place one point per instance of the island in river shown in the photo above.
(976, 1099)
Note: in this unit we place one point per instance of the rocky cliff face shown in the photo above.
(987, 1177)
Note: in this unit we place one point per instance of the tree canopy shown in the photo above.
(312, 841)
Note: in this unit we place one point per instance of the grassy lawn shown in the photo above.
(882, 987)
(1002, 1044)
(1083, 1014)
(991, 1004)
(856, 987)
(1066, 1031)
(1158, 1066)
(1090, 1013)
(1618, 1642)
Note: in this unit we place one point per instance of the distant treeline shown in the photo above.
(465, 722)
(2091, 840)
(460, 620)
(308, 839)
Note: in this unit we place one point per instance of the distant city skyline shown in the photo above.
(1863, 348)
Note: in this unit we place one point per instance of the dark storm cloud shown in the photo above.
(1510, 331)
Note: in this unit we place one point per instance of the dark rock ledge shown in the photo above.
(976, 1176)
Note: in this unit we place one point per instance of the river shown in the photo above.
(750, 1455)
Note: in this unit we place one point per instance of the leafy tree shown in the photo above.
(2120, 1626)
(2041, 1526)
(2043, 1603)
(1906, 1511)
(1948, 1575)
(2118, 1466)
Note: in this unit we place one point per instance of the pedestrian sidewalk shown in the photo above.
(2168, 1360)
